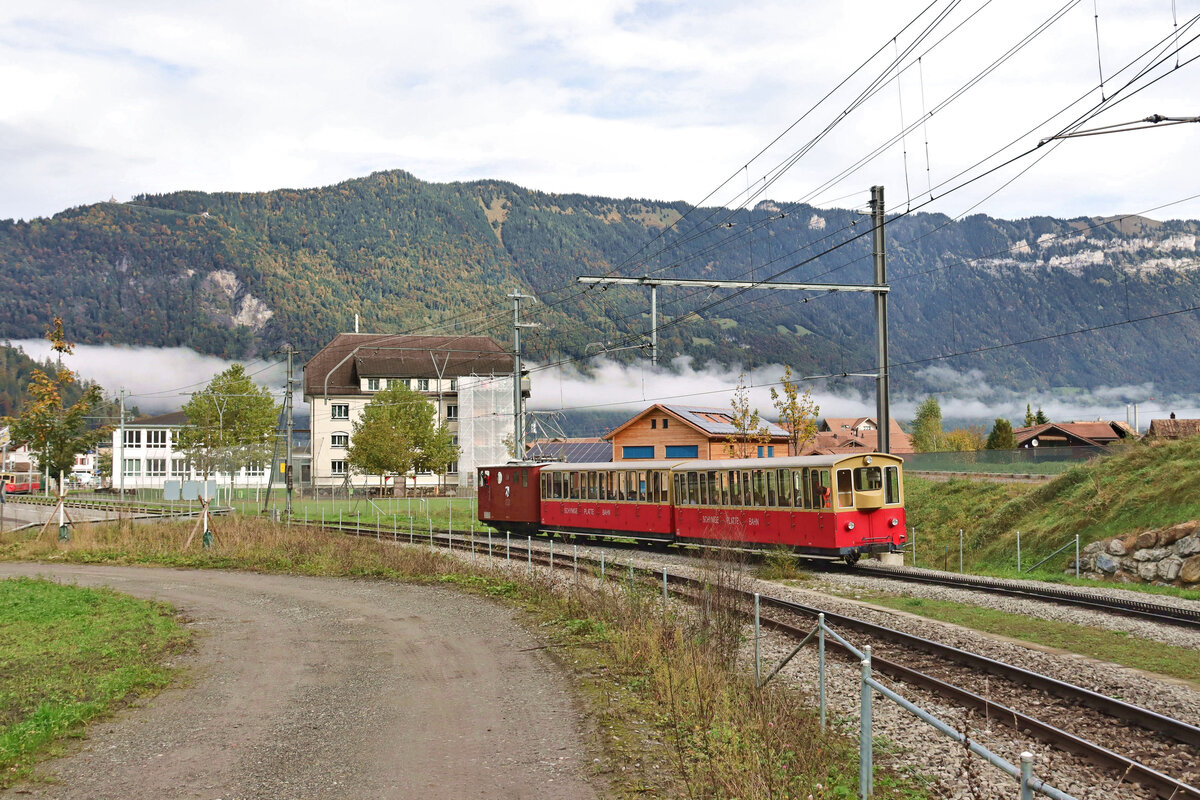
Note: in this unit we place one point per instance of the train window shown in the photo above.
(485, 477)
(574, 485)
(678, 480)
(799, 485)
(722, 488)
(545, 485)
(893, 485)
(525, 478)
(819, 488)
(759, 488)
(845, 489)
(693, 489)
(499, 476)
(591, 486)
(868, 479)
(785, 488)
(556, 485)
(631, 486)
(747, 494)
(772, 498)
(642, 486)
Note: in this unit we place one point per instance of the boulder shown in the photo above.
(1169, 568)
(1146, 539)
(1148, 570)
(1188, 546)
(1171, 535)
(1094, 547)
(1106, 563)
(1153, 554)
(1116, 547)
(1190, 572)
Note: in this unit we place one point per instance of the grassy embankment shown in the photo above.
(676, 714)
(1137, 488)
(69, 655)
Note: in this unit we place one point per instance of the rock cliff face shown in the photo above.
(1166, 556)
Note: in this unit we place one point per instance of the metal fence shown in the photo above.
(1022, 774)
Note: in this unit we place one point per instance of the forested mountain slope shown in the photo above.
(235, 274)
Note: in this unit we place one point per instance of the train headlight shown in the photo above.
(849, 526)
(894, 522)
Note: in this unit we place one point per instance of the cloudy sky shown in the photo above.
(664, 100)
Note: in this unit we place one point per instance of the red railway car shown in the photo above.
(835, 506)
(18, 483)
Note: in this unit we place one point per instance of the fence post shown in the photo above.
(575, 561)
(757, 660)
(960, 562)
(865, 765)
(529, 553)
(821, 665)
(1018, 552)
(1077, 555)
(395, 533)
(1026, 775)
(551, 558)
(664, 592)
(914, 544)
(602, 565)
(507, 546)
(489, 542)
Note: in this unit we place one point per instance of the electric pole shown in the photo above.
(288, 433)
(881, 329)
(119, 463)
(518, 428)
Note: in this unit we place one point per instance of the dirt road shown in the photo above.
(330, 688)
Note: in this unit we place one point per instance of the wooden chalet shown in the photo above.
(676, 432)
(1098, 433)
(1173, 428)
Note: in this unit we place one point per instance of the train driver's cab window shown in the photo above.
(819, 488)
(525, 478)
(845, 489)
(545, 485)
(868, 479)
(485, 477)
(892, 475)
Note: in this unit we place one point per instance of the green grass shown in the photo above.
(388, 513)
(1114, 646)
(1137, 488)
(68, 655)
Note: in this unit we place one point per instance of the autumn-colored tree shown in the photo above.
(749, 431)
(927, 427)
(797, 411)
(963, 440)
(54, 432)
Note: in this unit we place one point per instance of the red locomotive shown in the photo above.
(838, 506)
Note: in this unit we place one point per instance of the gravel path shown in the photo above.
(330, 688)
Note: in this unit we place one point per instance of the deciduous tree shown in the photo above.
(749, 429)
(396, 435)
(230, 424)
(797, 411)
(56, 433)
(927, 427)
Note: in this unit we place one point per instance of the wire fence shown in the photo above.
(1024, 460)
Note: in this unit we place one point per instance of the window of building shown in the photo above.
(178, 467)
(156, 439)
(452, 468)
(760, 453)
(653, 424)
(372, 384)
(451, 412)
(683, 451)
(254, 470)
(454, 384)
(341, 440)
(770, 451)
(133, 438)
(339, 411)
(156, 467)
(666, 423)
(405, 382)
(637, 451)
(133, 466)
(337, 468)
(422, 384)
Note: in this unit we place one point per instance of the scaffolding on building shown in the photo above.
(485, 423)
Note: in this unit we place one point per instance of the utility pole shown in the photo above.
(654, 324)
(287, 445)
(518, 429)
(879, 255)
(119, 463)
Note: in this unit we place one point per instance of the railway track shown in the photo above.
(967, 679)
(1141, 609)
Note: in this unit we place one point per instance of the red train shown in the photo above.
(836, 506)
(20, 483)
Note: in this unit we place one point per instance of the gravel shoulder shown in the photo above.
(330, 688)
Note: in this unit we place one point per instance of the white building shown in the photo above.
(467, 379)
(148, 457)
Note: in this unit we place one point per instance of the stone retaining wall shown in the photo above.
(1168, 556)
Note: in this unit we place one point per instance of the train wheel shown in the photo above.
(851, 559)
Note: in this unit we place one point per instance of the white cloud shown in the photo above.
(660, 100)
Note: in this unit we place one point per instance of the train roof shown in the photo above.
(787, 462)
(611, 465)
